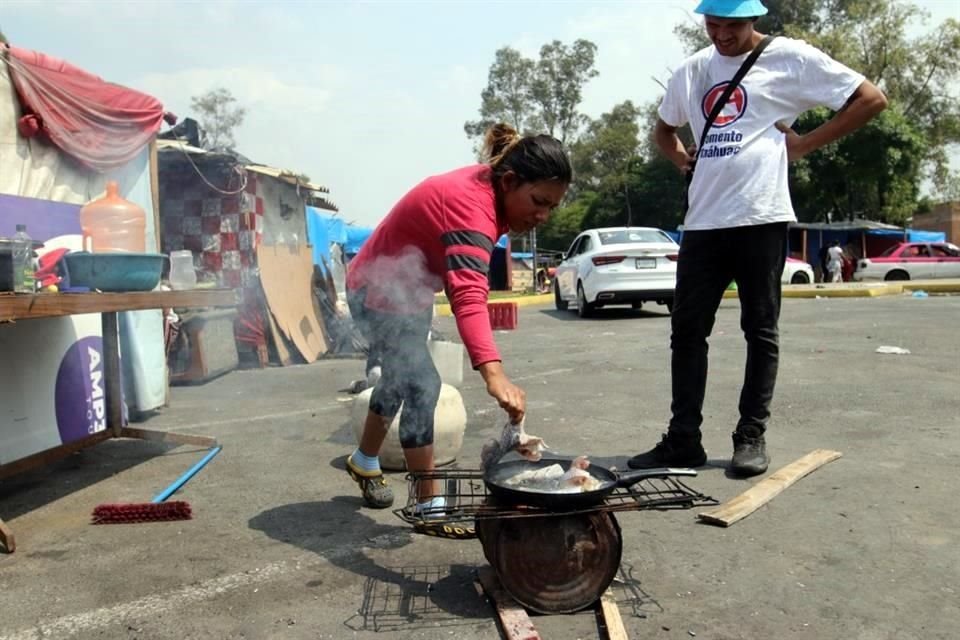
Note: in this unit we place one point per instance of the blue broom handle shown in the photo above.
(182, 480)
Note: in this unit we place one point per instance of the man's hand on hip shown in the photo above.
(796, 145)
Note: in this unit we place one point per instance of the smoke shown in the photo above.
(402, 281)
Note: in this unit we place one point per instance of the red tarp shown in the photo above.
(102, 125)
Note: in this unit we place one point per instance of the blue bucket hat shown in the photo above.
(731, 8)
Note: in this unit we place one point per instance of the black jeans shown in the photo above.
(398, 343)
(754, 258)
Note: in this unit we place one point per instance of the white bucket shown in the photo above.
(448, 358)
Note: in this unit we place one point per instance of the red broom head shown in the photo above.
(146, 512)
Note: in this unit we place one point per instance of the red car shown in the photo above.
(912, 261)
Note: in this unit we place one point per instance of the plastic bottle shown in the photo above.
(113, 224)
(24, 280)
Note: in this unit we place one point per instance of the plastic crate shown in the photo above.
(503, 315)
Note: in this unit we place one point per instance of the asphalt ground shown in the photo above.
(865, 548)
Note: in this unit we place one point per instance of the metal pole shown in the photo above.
(626, 194)
(533, 244)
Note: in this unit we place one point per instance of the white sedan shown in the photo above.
(618, 265)
(796, 272)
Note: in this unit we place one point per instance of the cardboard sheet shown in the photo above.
(286, 275)
(279, 342)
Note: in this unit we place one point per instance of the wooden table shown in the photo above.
(17, 307)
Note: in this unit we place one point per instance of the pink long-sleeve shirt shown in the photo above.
(439, 236)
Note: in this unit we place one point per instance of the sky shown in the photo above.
(367, 98)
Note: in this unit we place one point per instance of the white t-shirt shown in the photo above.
(835, 255)
(741, 174)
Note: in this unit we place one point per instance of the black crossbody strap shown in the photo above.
(732, 86)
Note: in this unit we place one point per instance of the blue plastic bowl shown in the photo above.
(115, 272)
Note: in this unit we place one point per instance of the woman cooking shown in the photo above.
(439, 236)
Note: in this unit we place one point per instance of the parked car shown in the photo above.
(911, 261)
(617, 266)
(796, 272)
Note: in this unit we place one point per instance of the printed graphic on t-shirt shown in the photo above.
(732, 111)
(723, 144)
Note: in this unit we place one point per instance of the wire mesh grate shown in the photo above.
(467, 501)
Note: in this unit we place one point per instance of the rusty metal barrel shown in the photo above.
(553, 564)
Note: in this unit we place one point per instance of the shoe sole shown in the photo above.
(747, 472)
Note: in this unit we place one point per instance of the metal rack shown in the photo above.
(467, 501)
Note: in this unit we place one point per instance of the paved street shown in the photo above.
(866, 548)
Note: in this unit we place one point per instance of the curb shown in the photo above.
(863, 290)
(808, 291)
(521, 301)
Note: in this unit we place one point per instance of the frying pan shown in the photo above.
(496, 476)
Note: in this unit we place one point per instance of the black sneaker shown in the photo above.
(671, 451)
(749, 455)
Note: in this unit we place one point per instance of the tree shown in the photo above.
(537, 96)
(219, 117)
(507, 95)
(650, 195)
(565, 223)
(600, 159)
(620, 179)
(873, 172)
(557, 87)
(606, 147)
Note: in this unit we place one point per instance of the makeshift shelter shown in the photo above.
(246, 227)
(64, 133)
(863, 238)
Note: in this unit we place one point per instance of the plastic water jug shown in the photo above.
(182, 273)
(113, 224)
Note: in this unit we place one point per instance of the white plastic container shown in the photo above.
(182, 273)
(449, 425)
(448, 358)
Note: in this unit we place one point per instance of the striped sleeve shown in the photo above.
(467, 255)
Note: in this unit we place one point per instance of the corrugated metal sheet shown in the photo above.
(286, 176)
(283, 175)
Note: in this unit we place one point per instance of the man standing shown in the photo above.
(739, 209)
(835, 262)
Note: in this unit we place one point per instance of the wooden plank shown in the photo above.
(612, 622)
(767, 489)
(49, 305)
(514, 620)
(51, 455)
(7, 537)
(168, 437)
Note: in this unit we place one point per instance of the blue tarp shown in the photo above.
(318, 235)
(913, 235)
(356, 236)
(502, 242)
(324, 229)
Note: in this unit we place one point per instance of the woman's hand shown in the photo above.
(511, 397)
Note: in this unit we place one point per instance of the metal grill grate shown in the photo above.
(467, 501)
